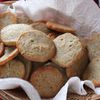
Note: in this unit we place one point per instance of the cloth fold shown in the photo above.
(74, 85)
(12, 83)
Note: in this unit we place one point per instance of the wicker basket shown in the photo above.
(20, 95)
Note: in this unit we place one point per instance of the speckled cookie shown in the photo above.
(36, 46)
(47, 80)
(11, 33)
(13, 68)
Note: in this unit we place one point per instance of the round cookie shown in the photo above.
(92, 72)
(47, 80)
(59, 28)
(13, 68)
(9, 54)
(7, 18)
(11, 33)
(69, 49)
(36, 46)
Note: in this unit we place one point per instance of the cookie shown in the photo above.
(7, 18)
(9, 54)
(47, 80)
(13, 68)
(36, 46)
(41, 26)
(69, 49)
(59, 28)
(11, 33)
(92, 72)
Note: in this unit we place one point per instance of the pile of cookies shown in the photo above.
(44, 53)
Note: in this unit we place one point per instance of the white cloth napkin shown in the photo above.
(74, 85)
(12, 83)
(83, 15)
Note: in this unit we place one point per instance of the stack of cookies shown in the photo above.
(42, 52)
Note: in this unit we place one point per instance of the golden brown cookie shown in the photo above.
(47, 80)
(9, 54)
(36, 46)
(11, 33)
(13, 68)
(7, 18)
(59, 28)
